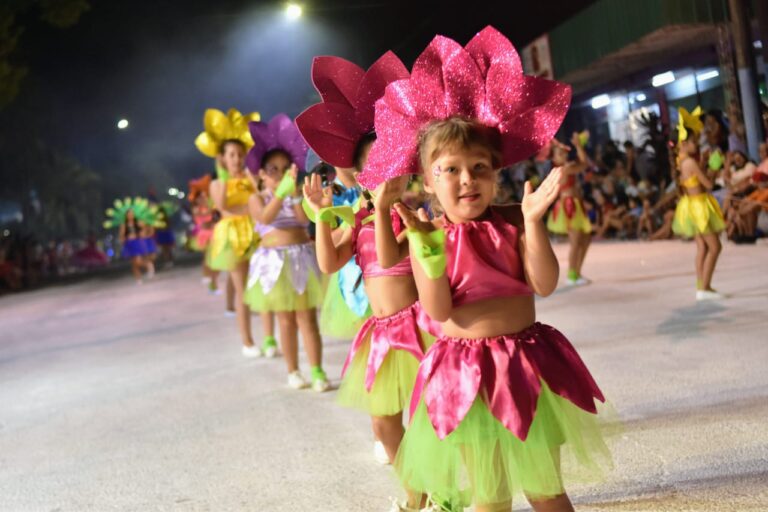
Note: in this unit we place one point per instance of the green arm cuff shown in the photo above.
(286, 187)
(429, 251)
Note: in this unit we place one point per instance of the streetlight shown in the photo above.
(293, 11)
(122, 124)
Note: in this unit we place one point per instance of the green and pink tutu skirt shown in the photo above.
(492, 418)
(383, 362)
(345, 307)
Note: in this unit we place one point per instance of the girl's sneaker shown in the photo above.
(296, 380)
(380, 453)
(269, 347)
(399, 506)
(252, 351)
(319, 380)
(709, 295)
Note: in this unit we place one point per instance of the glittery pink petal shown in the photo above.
(330, 130)
(385, 70)
(530, 113)
(447, 81)
(490, 47)
(336, 79)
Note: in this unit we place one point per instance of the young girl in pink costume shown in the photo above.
(381, 366)
(498, 395)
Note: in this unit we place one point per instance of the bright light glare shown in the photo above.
(173, 191)
(122, 124)
(181, 195)
(293, 11)
(707, 75)
(663, 79)
(601, 101)
(758, 44)
(640, 97)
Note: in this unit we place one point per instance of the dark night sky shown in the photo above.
(160, 64)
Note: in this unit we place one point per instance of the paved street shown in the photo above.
(117, 397)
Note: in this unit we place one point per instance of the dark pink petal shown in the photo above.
(336, 79)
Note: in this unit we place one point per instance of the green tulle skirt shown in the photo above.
(337, 321)
(482, 462)
(392, 389)
(283, 297)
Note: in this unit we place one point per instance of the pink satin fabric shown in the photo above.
(507, 372)
(364, 247)
(400, 331)
(483, 260)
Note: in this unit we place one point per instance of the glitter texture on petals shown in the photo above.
(483, 81)
(334, 127)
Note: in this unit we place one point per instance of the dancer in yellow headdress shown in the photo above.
(697, 214)
(227, 138)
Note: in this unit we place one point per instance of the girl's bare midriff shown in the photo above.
(389, 294)
(283, 237)
(491, 317)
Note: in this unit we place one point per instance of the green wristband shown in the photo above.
(331, 215)
(429, 251)
(286, 187)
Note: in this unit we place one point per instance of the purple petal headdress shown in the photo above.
(279, 133)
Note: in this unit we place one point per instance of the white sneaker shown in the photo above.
(572, 282)
(709, 295)
(399, 506)
(296, 380)
(230, 314)
(380, 453)
(581, 281)
(321, 385)
(252, 352)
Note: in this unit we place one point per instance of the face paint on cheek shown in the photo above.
(436, 172)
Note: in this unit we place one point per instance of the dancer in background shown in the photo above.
(697, 215)
(122, 216)
(568, 216)
(202, 230)
(498, 396)
(283, 277)
(220, 127)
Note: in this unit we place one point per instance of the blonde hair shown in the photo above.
(457, 132)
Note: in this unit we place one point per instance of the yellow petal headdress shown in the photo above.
(688, 121)
(219, 127)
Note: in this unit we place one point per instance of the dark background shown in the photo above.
(161, 64)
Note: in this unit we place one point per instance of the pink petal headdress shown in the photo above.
(483, 81)
(334, 127)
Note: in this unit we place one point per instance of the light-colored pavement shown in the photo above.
(136, 398)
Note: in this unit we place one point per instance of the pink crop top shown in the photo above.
(483, 260)
(364, 247)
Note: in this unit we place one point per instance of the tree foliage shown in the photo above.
(58, 13)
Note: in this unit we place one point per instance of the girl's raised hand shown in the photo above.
(316, 196)
(535, 204)
(389, 191)
(414, 220)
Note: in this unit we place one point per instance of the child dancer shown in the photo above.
(123, 217)
(201, 232)
(233, 239)
(283, 276)
(334, 128)
(380, 369)
(697, 214)
(498, 395)
(568, 217)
